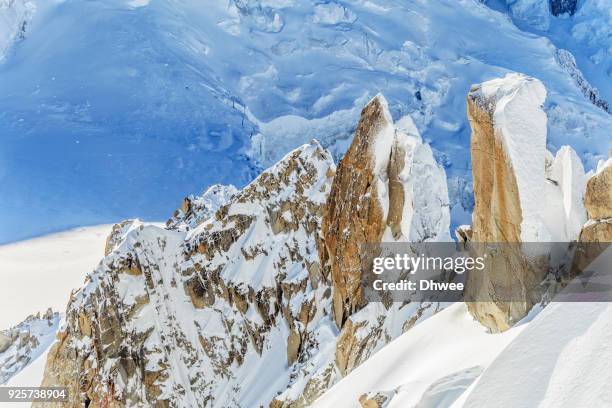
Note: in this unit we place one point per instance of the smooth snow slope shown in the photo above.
(557, 357)
(112, 109)
(431, 364)
(40, 273)
(562, 360)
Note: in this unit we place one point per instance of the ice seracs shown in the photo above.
(15, 15)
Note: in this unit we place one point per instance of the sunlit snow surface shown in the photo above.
(39, 273)
(114, 109)
(559, 356)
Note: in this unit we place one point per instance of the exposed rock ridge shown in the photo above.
(352, 217)
(559, 7)
(196, 209)
(388, 188)
(567, 61)
(23, 343)
(183, 319)
(185, 315)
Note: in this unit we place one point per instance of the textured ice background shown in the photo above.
(112, 109)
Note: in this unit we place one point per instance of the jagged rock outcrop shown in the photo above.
(378, 195)
(596, 233)
(598, 196)
(508, 149)
(373, 400)
(196, 209)
(185, 315)
(118, 234)
(20, 344)
(524, 197)
(186, 319)
(566, 60)
(387, 188)
(354, 215)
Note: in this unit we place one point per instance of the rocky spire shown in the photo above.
(387, 187)
(508, 148)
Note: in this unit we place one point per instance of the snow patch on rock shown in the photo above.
(569, 180)
(425, 212)
(25, 342)
(196, 209)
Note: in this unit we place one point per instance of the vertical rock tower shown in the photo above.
(508, 150)
(388, 187)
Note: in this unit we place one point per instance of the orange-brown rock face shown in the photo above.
(502, 205)
(389, 188)
(598, 196)
(354, 216)
(597, 232)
